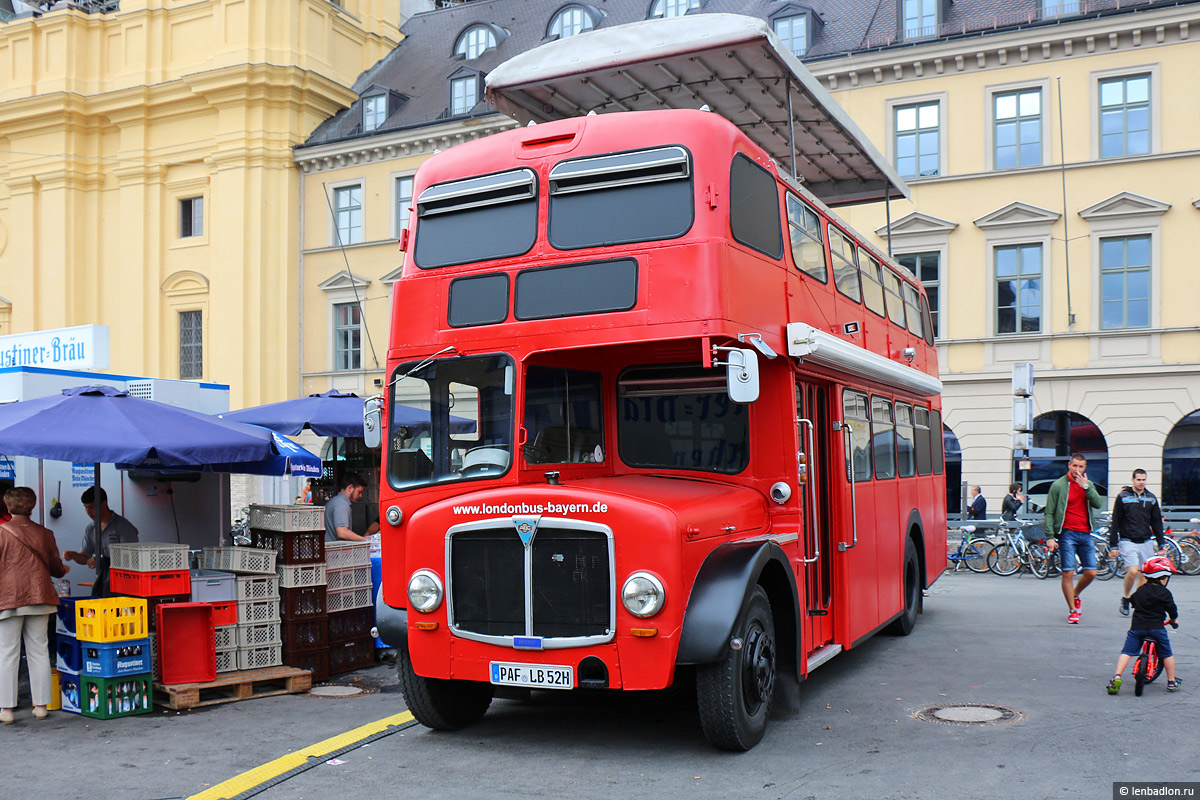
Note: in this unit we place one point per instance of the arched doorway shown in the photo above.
(1181, 463)
(1056, 436)
(953, 470)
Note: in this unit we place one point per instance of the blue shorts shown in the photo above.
(1134, 639)
(1076, 548)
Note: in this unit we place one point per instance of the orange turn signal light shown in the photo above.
(426, 626)
(645, 633)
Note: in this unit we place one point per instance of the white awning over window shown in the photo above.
(733, 64)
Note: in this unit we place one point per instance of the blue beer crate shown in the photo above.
(69, 656)
(64, 617)
(114, 659)
(68, 685)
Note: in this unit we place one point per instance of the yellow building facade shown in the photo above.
(147, 180)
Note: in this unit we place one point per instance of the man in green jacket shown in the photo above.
(1068, 518)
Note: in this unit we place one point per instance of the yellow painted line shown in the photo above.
(273, 769)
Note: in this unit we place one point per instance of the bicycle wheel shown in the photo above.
(976, 553)
(1004, 559)
(1139, 673)
(1174, 553)
(1039, 560)
(1105, 565)
(1190, 563)
(1119, 568)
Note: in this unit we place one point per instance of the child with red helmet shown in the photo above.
(1152, 604)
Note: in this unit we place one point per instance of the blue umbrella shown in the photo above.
(289, 459)
(333, 413)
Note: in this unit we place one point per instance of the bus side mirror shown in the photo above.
(741, 375)
(373, 421)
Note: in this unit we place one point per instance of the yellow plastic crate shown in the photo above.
(55, 703)
(111, 619)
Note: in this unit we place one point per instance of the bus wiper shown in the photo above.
(423, 363)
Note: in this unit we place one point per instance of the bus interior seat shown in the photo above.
(411, 465)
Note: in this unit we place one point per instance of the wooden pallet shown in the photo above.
(231, 686)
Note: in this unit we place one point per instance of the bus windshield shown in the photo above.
(451, 420)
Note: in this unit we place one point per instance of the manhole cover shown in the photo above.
(969, 714)
(335, 690)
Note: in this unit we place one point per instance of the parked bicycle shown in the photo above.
(1189, 549)
(972, 551)
(1015, 552)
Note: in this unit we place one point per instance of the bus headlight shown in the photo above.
(643, 594)
(425, 591)
(394, 515)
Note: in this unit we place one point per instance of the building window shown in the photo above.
(927, 269)
(1018, 288)
(1125, 116)
(1059, 8)
(374, 111)
(403, 193)
(920, 18)
(793, 32)
(191, 345)
(1017, 121)
(348, 214)
(1125, 282)
(191, 217)
(347, 336)
(464, 94)
(917, 140)
(570, 21)
(475, 41)
(672, 8)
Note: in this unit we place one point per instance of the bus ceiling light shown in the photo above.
(394, 515)
(807, 343)
(425, 591)
(643, 595)
(781, 492)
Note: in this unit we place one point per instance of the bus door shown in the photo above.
(813, 432)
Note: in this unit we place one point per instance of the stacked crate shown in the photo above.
(297, 535)
(247, 634)
(114, 678)
(349, 602)
(154, 571)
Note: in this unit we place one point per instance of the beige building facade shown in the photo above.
(147, 181)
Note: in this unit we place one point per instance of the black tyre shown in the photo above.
(903, 624)
(444, 705)
(1003, 560)
(1190, 563)
(975, 556)
(734, 694)
(1139, 674)
(1039, 561)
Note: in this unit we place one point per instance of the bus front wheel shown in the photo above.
(444, 705)
(734, 694)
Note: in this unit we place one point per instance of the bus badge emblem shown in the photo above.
(526, 528)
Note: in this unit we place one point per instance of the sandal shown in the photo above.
(1173, 686)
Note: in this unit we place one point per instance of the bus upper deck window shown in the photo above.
(912, 306)
(872, 284)
(808, 245)
(895, 302)
(476, 219)
(845, 264)
(754, 207)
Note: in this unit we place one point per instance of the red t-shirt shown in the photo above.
(1076, 516)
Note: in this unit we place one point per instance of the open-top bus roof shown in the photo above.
(733, 64)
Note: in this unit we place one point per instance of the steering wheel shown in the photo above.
(484, 459)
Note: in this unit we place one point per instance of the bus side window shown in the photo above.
(905, 454)
(895, 303)
(939, 453)
(845, 264)
(883, 437)
(872, 284)
(912, 305)
(808, 245)
(924, 440)
(854, 412)
(754, 207)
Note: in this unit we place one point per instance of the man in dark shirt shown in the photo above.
(1136, 517)
(978, 507)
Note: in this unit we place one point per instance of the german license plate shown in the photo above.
(533, 676)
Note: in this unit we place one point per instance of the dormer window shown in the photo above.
(464, 94)
(920, 18)
(1059, 8)
(570, 21)
(374, 111)
(793, 32)
(672, 8)
(475, 41)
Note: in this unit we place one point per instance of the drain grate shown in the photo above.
(969, 714)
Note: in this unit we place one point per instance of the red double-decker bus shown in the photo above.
(680, 417)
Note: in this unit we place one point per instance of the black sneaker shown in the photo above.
(1125, 606)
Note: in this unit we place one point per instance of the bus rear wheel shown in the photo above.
(903, 624)
(734, 694)
(444, 705)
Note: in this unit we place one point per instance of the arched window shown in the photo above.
(1056, 436)
(672, 8)
(1181, 463)
(953, 470)
(570, 21)
(475, 41)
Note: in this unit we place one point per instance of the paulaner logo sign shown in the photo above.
(80, 347)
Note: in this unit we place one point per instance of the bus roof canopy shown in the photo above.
(733, 64)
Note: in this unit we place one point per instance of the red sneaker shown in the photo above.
(1073, 618)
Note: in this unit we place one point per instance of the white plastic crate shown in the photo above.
(258, 611)
(211, 586)
(339, 555)
(258, 587)
(148, 556)
(294, 576)
(258, 634)
(287, 518)
(257, 657)
(347, 578)
(227, 659)
(244, 560)
(345, 599)
(225, 636)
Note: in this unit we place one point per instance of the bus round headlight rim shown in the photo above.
(425, 591)
(643, 595)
